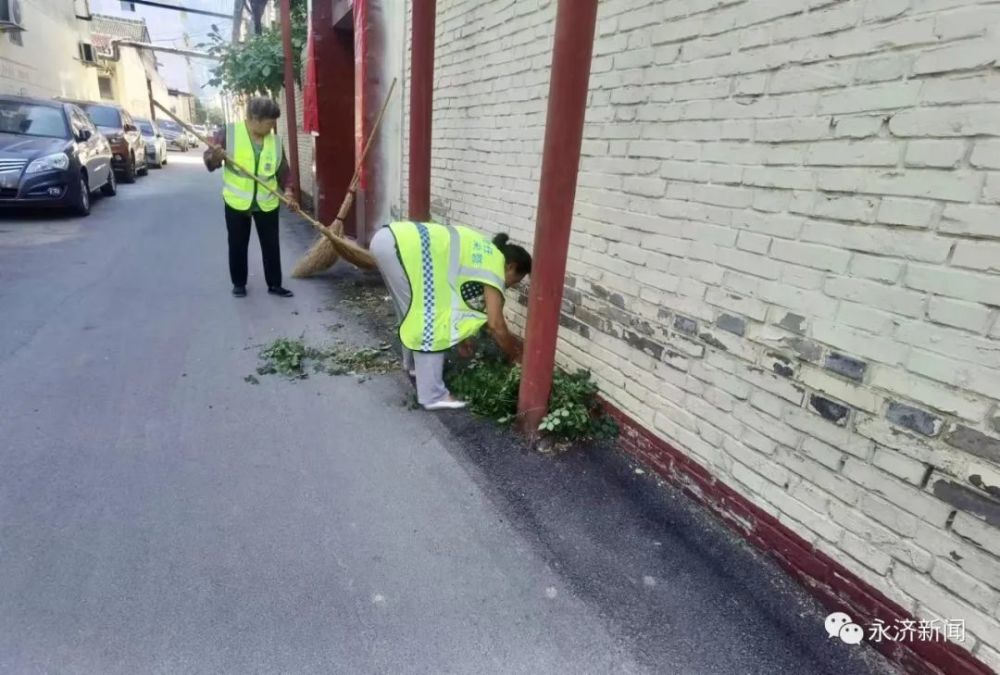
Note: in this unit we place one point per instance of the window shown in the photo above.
(104, 85)
(105, 116)
(32, 120)
(78, 121)
(127, 6)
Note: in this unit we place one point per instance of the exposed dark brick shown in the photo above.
(567, 307)
(830, 410)
(570, 281)
(617, 300)
(793, 322)
(599, 291)
(846, 366)
(713, 341)
(972, 441)
(732, 324)
(615, 314)
(783, 370)
(654, 349)
(591, 319)
(522, 299)
(573, 295)
(643, 327)
(663, 314)
(993, 490)
(574, 325)
(967, 499)
(686, 325)
(914, 419)
(810, 351)
(781, 365)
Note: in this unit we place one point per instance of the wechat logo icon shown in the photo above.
(841, 626)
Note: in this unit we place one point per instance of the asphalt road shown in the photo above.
(158, 514)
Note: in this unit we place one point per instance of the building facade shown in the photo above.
(785, 262)
(45, 59)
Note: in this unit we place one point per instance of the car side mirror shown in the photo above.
(84, 135)
(130, 127)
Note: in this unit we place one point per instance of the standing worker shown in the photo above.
(446, 282)
(253, 143)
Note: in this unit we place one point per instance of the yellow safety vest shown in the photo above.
(239, 189)
(438, 260)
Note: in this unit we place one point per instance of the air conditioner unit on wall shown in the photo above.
(10, 15)
(87, 53)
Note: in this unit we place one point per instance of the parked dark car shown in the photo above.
(127, 144)
(175, 135)
(51, 154)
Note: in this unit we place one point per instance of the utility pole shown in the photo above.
(237, 19)
(292, 125)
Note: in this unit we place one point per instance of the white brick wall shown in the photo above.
(785, 257)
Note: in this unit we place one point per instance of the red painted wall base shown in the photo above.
(834, 586)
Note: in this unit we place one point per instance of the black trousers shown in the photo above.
(238, 225)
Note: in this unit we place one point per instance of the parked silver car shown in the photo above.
(156, 144)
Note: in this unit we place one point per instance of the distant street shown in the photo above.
(158, 514)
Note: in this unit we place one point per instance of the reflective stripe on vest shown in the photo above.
(438, 260)
(239, 189)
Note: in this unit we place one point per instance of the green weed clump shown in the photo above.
(490, 385)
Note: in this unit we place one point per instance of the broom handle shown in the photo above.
(352, 189)
(229, 160)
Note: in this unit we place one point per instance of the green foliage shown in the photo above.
(490, 386)
(293, 358)
(284, 357)
(573, 410)
(256, 66)
(487, 384)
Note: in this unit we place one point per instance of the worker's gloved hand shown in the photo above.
(216, 154)
(290, 196)
(467, 348)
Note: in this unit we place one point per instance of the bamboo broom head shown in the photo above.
(321, 256)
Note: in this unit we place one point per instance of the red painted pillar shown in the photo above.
(421, 108)
(571, 55)
(293, 132)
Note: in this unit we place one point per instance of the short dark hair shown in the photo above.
(513, 254)
(263, 108)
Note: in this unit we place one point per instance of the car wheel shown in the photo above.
(129, 174)
(82, 205)
(144, 171)
(110, 188)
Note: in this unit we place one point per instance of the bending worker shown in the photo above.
(447, 282)
(252, 144)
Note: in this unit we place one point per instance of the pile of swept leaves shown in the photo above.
(294, 359)
(490, 385)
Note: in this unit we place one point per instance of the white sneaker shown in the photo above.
(446, 405)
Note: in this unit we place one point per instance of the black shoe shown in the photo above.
(240, 291)
(279, 291)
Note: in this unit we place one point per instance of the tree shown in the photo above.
(215, 116)
(256, 66)
(257, 14)
(200, 114)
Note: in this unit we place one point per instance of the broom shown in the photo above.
(322, 255)
(350, 251)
